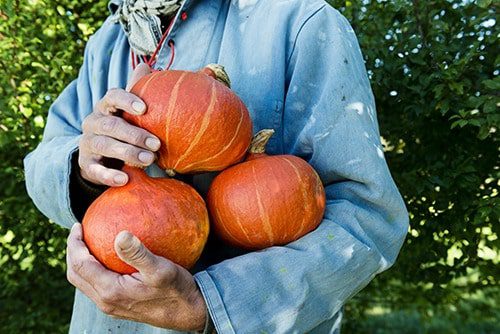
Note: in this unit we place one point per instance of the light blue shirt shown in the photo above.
(298, 67)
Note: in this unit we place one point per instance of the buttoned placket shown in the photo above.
(185, 44)
(165, 51)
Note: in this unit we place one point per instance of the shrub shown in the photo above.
(434, 72)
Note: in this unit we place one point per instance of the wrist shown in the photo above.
(201, 313)
(81, 192)
(207, 326)
(89, 186)
(82, 180)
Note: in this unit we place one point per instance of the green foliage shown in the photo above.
(434, 69)
(41, 47)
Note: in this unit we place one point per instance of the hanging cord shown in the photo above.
(172, 53)
(152, 60)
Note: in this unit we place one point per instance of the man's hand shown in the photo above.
(106, 135)
(161, 294)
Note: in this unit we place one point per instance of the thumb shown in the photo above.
(76, 231)
(132, 251)
(140, 71)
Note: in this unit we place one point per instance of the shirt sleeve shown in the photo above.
(48, 167)
(330, 120)
(82, 193)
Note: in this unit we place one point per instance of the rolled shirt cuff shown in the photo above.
(217, 311)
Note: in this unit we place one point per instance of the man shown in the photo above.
(298, 68)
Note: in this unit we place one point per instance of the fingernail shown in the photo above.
(146, 157)
(153, 143)
(124, 239)
(138, 107)
(120, 179)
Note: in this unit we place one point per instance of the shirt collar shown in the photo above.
(113, 5)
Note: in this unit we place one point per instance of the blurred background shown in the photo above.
(434, 69)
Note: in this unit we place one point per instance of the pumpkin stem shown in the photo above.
(260, 140)
(170, 172)
(217, 72)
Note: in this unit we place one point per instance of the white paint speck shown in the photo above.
(347, 252)
(358, 107)
(243, 26)
(354, 161)
(299, 106)
(242, 4)
(304, 140)
(295, 89)
(253, 71)
(324, 134)
(322, 36)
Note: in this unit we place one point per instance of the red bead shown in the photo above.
(184, 16)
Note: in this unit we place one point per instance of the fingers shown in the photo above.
(112, 148)
(158, 289)
(112, 137)
(140, 71)
(76, 233)
(109, 136)
(118, 128)
(82, 262)
(131, 250)
(86, 273)
(153, 270)
(119, 99)
(93, 171)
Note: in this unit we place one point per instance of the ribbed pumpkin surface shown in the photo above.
(269, 200)
(201, 123)
(168, 216)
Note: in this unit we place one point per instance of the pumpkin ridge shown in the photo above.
(204, 126)
(238, 222)
(267, 225)
(152, 210)
(217, 213)
(236, 133)
(283, 232)
(303, 191)
(171, 108)
(141, 92)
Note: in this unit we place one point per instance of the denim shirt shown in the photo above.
(298, 67)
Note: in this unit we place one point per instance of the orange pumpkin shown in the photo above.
(202, 125)
(266, 200)
(167, 215)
